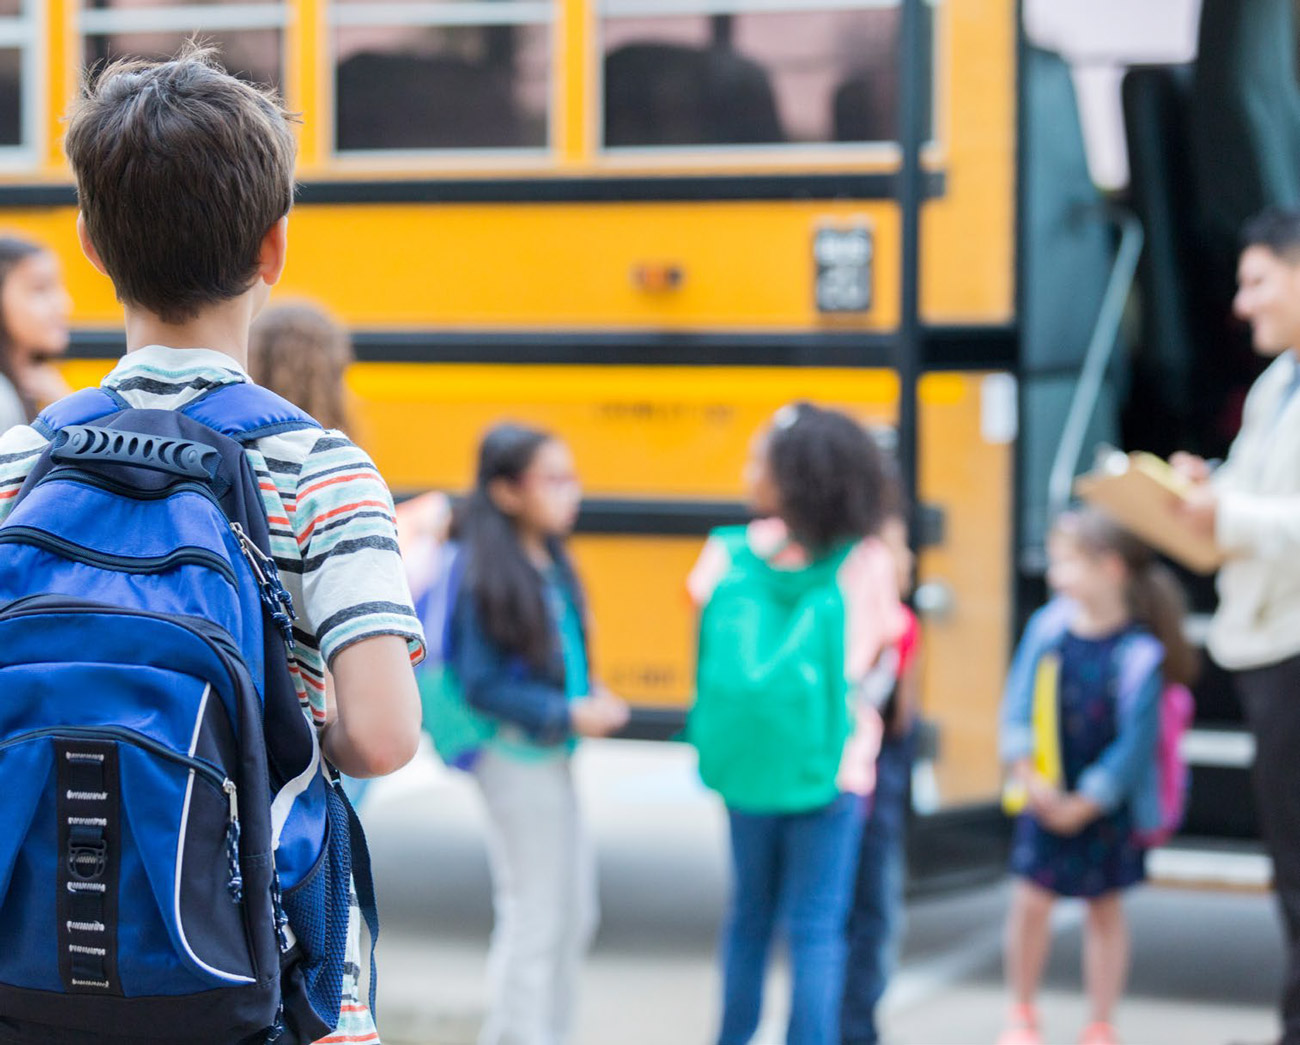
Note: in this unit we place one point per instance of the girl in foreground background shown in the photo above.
(518, 649)
(1080, 722)
(34, 310)
(795, 609)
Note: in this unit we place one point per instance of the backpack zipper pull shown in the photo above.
(279, 602)
(236, 883)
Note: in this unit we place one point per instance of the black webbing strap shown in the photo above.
(364, 881)
(89, 852)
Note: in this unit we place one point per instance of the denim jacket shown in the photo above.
(1127, 770)
(505, 685)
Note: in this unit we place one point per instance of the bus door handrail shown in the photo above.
(1101, 348)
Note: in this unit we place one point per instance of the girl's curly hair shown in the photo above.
(830, 476)
(299, 352)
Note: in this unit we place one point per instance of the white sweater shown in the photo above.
(1258, 526)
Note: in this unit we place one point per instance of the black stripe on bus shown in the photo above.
(614, 517)
(603, 189)
(654, 724)
(645, 517)
(616, 189)
(946, 348)
(666, 517)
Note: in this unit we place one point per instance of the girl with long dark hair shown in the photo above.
(34, 308)
(518, 649)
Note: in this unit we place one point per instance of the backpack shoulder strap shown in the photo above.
(247, 412)
(79, 408)
(1140, 655)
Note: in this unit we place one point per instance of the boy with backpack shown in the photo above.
(202, 609)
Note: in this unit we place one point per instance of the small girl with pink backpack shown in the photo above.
(1095, 705)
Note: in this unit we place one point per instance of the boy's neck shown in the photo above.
(221, 328)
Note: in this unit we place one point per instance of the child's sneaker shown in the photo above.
(1022, 1027)
(1098, 1034)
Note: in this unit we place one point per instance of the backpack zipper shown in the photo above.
(68, 473)
(278, 601)
(276, 598)
(198, 766)
(218, 779)
(121, 563)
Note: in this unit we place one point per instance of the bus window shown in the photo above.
(811, 73)
(16, 39)
(11, 97)
(455, 74)
(247, 35)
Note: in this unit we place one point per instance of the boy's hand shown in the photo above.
(598, 715)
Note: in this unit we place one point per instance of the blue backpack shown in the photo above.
(175, 858)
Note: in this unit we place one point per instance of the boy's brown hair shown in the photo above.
(181, 170)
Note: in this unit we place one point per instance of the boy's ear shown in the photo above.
(273, 252)
(88, 248)
(505, 495)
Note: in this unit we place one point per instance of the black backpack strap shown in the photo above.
(246, 412)
(79, 408)
(364, 881)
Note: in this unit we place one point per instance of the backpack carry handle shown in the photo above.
(78, 444)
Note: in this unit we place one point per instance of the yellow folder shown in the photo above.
(1047, 736)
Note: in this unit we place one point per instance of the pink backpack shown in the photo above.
(1177, 709)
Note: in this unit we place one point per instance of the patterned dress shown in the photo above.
(1103, 857)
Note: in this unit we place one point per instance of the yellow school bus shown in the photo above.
(644, 224)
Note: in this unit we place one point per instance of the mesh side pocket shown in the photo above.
(318, 909)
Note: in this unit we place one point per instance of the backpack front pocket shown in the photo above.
(143, 842)
(129, 869)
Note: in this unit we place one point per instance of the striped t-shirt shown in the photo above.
(333, 537)
(331, 516)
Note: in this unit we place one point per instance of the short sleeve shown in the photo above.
(354, 584)
(709, 569)
(20, 448)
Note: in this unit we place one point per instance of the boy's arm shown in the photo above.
(376, 726)
(358, 605)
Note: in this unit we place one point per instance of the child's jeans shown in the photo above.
(798, 867)
(543, 896)
(876, 918)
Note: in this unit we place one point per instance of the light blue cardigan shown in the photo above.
(1127, 770)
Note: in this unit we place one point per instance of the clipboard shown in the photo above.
(1141, 492)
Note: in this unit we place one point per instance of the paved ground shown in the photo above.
(1206, 964)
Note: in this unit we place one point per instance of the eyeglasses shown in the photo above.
(560, 482)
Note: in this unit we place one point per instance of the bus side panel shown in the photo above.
(637, 432)
(967, 433)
